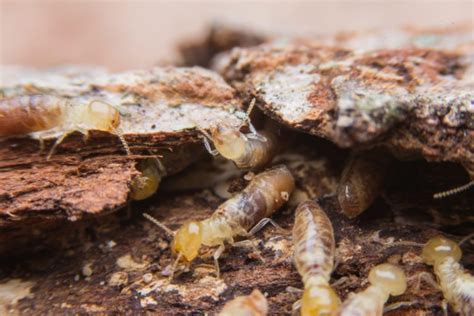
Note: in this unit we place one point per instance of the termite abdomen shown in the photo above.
(313, 237)
(32, 113)
(267, 192)
(314, 245)
(361, 181)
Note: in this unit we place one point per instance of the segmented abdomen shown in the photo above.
(361, 181)
(313, 237)
(30, 113)
(258, 153)
(266, 193)
(457, 286)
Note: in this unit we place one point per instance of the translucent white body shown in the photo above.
(456, 284)
(262, 196)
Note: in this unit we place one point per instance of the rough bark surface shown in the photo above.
(414, 101)
(161, 109)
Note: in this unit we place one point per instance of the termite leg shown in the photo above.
(262, 223)
(292, 289)
(462, 241)
(453, 191)
(340, 281)
(428, 278)
(206, 138)
(254, 134)
(174, 266)
(444, 305)
(296, 307)
(41, 143)
(216, 256)
(397, 305)
(209, 149)
(249, 244)
(56, 144)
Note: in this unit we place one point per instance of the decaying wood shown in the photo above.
(161, 109)
(73, 243)
(417, 102)
(115, 263)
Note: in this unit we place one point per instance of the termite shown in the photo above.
(385, 279)
(361, 181)
(146, 184)
(254, 304)
(33, 113)
(247, 151)
(252, 207)
(457, 286)
(314, 250)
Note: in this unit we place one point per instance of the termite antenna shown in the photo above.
(119, 134)
(175, 264)
(253, 131)
(157, 223)
(250, 108)
(56, 144)
(457, 190)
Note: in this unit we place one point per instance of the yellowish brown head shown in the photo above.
(439, 248)
(147, 183)
(319, 300)
(389, 277)
(103, 116)
(229, 142)
(187, 240)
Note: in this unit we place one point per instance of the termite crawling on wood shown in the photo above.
(254, 304)
(361, 181)
(33, 113)
(247, 151)
(385, 280)
(457, 286)
(314, 250)
(252, 207)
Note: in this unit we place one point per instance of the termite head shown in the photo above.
(229, 142)
(103, 116)
(439, 248)
(187, 240)
(319, 300)
(388, 277)
(146, 184)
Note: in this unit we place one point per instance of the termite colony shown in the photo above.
(316, 238)
(244, 214)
